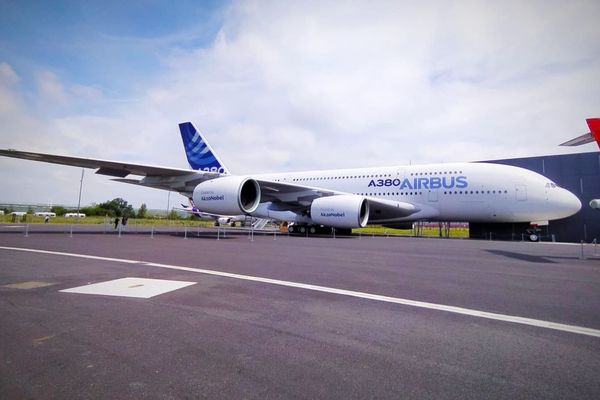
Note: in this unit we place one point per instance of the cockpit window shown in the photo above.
(551, 185)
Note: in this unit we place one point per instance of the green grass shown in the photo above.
(425, 231)
(92, 220)
(369, 230)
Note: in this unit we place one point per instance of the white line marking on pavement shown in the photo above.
(414, 303)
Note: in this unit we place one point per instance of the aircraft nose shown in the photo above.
(569, 202)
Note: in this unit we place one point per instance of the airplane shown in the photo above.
(344, 199)
(591, 136)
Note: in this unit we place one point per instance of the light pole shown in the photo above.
(80, 187)
(168, 203)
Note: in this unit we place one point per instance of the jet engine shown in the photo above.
(343, 211)
(230, 195)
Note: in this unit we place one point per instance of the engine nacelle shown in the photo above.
(230, 195)
(343, 211)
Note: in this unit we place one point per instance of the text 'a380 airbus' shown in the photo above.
(347, 198)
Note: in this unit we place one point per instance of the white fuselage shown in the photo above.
(473, 192)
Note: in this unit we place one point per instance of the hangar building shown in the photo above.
(580, 174)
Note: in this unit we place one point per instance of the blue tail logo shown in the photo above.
(198, 152)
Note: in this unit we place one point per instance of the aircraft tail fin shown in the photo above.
(199, 154)
(591, 136)
(594, 125)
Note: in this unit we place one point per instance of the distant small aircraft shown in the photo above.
(44, 214)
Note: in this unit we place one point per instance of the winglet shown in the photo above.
(594, 125)
(199, 154)
(592, 135)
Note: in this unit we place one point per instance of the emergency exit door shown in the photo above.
(521, 192)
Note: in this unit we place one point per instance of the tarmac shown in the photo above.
(277, 317)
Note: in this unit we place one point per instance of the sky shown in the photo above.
(287, 86)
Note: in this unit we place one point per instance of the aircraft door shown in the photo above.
(521, 192)
(432, 196)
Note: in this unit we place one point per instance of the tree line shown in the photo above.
(112, 208)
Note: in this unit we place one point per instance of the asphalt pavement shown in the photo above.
(277, 317)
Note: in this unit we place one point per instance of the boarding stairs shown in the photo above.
(255, 223)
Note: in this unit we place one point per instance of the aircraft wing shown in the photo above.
(591, 136)
(583, 139)
(384, 210)
(105, 167)
(292, 197)
(283, 196)
(166, 178)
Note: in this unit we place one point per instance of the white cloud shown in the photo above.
(306, 85)
(394, 82)
(50, 89)
(7, 75)
(89, 93)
